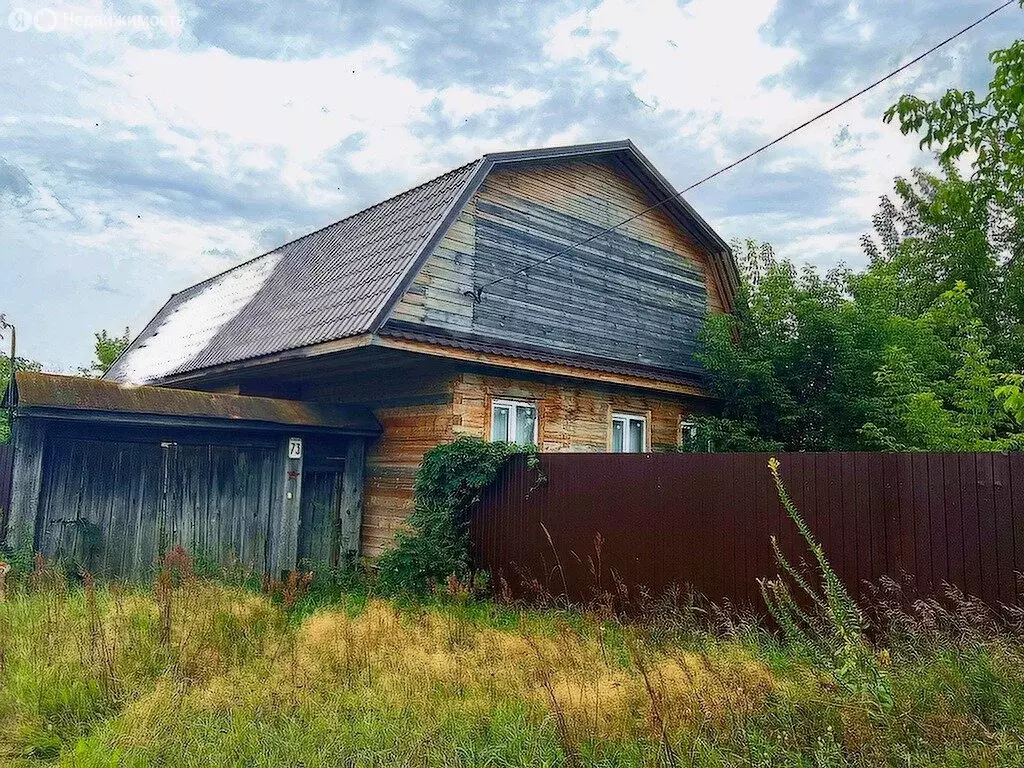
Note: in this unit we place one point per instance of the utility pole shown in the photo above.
(4, 325)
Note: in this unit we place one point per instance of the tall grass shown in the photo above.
(217, 669)
(196, 672)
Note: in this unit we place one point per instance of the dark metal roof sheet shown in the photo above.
(343, 280)
(36, 392)
(324, 286)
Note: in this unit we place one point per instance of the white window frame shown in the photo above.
(512, 406)
(686, 426)
(625, 419)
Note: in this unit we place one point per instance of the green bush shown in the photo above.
(435, 546)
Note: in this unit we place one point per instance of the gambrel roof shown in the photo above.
(341, 281)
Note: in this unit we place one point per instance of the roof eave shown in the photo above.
(297, 353)
(55, 396)
(80, 415)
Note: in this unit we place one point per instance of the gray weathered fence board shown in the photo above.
(6, 481)
(116, 507)
(318, 517)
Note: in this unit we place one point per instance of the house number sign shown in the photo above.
(295, 448)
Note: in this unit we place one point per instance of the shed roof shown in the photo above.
(48, 394)
(343, 280)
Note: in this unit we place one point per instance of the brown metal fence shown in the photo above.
(6, 480)
(705, 521)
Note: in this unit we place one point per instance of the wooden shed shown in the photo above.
(111, 476)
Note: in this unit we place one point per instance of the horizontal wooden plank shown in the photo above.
(636, 295)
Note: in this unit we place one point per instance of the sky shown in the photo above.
(147, 145)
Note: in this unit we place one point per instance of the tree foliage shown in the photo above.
(905, 354)
(22, 364)
(921, 349)
(801, 359)
(986, 129)
(107, 349)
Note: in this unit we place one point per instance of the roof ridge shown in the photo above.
(361, 211)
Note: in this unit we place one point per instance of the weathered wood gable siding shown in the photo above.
(572, 417)
(637, 295)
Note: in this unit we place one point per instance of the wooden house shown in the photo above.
(500, 299)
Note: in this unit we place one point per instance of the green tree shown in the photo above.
(936, 387)
(981, 219)
(5, 378)
(792, 365)
(107, 349)
(940, 231)
(986, 129)
(922, 349)
(847, 361)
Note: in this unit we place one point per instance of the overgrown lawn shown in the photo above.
(195, 672)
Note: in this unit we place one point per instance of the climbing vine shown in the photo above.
(435, 544)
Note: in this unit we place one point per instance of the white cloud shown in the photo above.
(707, 71)
(152, 152)
(702, 59)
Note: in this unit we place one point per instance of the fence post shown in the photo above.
(286, 531)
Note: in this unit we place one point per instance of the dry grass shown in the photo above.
(194, 672)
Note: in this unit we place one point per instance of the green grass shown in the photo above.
(199, 672)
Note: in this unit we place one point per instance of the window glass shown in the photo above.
(526, 424)
(636, 435)
(688, 436)
(618, 430)
(629, 433)
(513, 421)
(499, 424)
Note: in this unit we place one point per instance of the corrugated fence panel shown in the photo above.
(590, 523)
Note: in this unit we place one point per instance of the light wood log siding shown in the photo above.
(573, 417)
(414, 407)
(426, 405)
(636, 295)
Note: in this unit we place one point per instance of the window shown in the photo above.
(629, 433)
(690, 435)
(513, 421)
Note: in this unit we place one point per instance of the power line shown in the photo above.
(477, 293)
